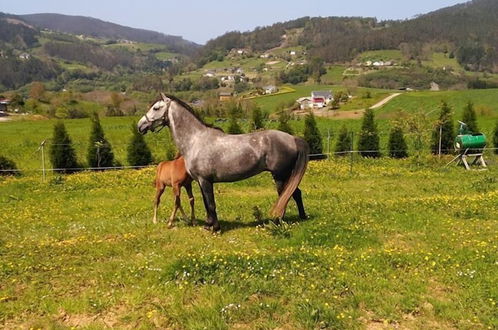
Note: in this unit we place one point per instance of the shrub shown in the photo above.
(397, 144)
(62, 155)
(283, 123)
(368, 144)
(445, 126)
(312, 134)
(257, 119)
(138, 152)
(344, 142)
(8, 167)
(99, 149)
(469, 118)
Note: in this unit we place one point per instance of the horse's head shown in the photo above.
(156, 116)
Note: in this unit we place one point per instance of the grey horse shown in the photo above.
(213, 156)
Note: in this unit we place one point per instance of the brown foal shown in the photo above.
(173, 174)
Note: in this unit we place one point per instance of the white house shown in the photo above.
(270, 89)
(305, 103)
(321, 99)
(210, 74)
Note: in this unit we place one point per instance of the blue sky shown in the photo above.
(200, 21)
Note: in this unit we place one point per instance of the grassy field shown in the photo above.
(381, 55)
(271, 103)
(389, 245)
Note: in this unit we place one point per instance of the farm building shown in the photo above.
(320, 99)
(225, 96)
(4, 104)
(305, 103)
(270, 89)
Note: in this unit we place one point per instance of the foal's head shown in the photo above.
(156, 116)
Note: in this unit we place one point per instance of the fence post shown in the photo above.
(328, 141)
(351, 153)
(440, 139)
(42, 148)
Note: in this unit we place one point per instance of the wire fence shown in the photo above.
(315, 156)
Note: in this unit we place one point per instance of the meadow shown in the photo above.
(388, 244)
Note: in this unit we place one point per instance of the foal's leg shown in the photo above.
(209, 204)
(159, 192)
(188, 188)
(176, 194)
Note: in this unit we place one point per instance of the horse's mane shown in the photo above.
(191, 110)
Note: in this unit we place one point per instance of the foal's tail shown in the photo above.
(294, 179)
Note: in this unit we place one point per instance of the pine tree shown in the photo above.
(138, 152)
(495, 138)
(344, 143)
(283, 123)
(62, 155)
(397, 144)
(99, 149)
(257, 119)
(368, 144)
(234, 127)
(445, 126)
(312, 134)
(469, 118)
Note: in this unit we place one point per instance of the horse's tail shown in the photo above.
(294, 179)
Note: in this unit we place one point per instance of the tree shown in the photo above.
(235, 111)
(312, 134)
(99, 149)
(37, 90)
(283, 123)
(234, 127)
(317, 69)
(495, 138)
(344, 142)
(469, 118)
(138, 152)
(443, 130)
(62, 155)
(368, 144)
(257, 119)
(397, 144)
(8, 167)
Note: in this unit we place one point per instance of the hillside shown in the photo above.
(466, 30)
(88, 26)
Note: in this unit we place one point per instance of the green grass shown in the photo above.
(271, 103)
(81, 251)
(380, 55)
(334, 75)
(440, 60)
(485, 103)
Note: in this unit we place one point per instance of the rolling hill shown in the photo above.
(89, 26)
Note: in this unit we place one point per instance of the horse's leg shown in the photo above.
(176, 194)
(209, 203)
(188, 188)
(299, 202)
(280, 184)
(159, 192)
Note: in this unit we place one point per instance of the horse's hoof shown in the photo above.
(170, 226)
(208, 228)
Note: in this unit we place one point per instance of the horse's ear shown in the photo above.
(165, 99)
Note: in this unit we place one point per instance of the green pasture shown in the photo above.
(387, 245)
(381, 55)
